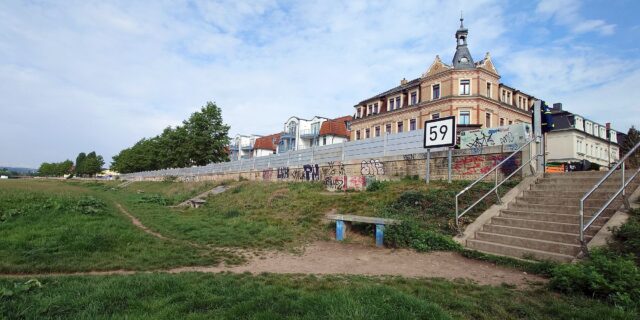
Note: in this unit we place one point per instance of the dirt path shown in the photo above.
(336, 258)
(139, 224)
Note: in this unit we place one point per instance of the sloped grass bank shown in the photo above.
(268, 296)
(53, 226)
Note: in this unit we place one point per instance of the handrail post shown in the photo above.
(457, 217)
(581, 221)
(496, 186)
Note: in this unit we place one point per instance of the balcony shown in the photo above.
(247, 147)
(288, 135)
(234, 147)
(309, 134)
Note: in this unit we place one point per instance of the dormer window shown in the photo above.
(414, 97)
(465, 87)
(391, 104)
(398, 103)
(375, 107)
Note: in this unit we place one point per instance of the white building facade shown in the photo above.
(575, 138)
(241, 147)
(300, 133)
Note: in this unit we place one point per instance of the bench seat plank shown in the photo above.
(354, 218)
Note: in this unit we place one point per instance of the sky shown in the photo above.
(79, 76)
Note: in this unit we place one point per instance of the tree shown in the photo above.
(80, 161)
(56, 169)
(633, 138)
(200, 140)
(93, 163)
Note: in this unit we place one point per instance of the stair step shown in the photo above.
(534, 233)
(557, 200)
(543, 216)
(536, 244)
(567, 194)
(514, 251)
(555, 208)
(578, 174)
(572, 187)
(541, 225)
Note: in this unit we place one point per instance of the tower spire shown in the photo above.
(462, 59)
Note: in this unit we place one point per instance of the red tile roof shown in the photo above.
(267, 142)
(336, 127)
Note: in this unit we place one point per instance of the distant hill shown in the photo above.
(18, 170)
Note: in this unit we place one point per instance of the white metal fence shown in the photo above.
(386, 145)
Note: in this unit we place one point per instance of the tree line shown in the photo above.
(86, 165)
(200, 140)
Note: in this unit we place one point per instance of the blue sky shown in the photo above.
(82, 75)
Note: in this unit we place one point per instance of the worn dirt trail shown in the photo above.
(340, 258)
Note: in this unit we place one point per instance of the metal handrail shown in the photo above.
(497, 185)
(624, 184)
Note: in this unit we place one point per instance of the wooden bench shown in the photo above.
(340, 220)
(196, 203)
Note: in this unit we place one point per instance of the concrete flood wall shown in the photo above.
(467, 164)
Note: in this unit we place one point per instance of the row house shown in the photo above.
(470, 91)
(241, 146)
(575, 138)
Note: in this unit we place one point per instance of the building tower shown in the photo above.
(462, 59)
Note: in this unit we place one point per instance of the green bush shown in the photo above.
(627, 237)
(19, 288)
(408, 234)
(154, 199)
(90, 205)
(376, 186)
(170, 178)
(604, 275)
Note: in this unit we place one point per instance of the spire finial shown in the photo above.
(461, 19)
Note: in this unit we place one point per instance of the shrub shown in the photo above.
(604, 275)
(376, 186)
(410, 235)
(170, 178)
(627, 237)
(154, 199)
(18, 288)
(90, 205)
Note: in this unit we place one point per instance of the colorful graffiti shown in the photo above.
(516, 134)
(478, 164)
(266, 174)
(344, 183)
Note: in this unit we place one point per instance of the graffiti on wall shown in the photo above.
(371, 167)
(344, 183)
(482, 164)
(283, 173)
(508, 136)
(335, 183)
(297, 175)
(311, 172)
(266, 174)
(334, 168)
(409, 158)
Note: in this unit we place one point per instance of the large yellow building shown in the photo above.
(470, 91)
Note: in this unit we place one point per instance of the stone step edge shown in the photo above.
(568, 257)
(531, 239)
(535, 230)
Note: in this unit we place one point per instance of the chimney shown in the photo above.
(403, 81)
(557, 107)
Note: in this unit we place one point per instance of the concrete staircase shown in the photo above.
(543, 222)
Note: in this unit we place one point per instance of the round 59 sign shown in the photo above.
(440, 132)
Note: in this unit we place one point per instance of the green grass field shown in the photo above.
(69, 226)
(268, 296)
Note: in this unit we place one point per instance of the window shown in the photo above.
(375, 107)
(489, 89)
(370, 109)
(391, 104)
(510, 122)
(400, 126)
(377, 131)
(357, 134)
(487, 120)
(412, 124)
(503, 96)
(359, 113)
(367, 133)
(387, 128)
(435, 92)
(465, 87)
(519, 102)
(435, 116)
(465, 117)
(414, 97)
(501, 122)
(348, 125)
(398, 104)
(324, 141)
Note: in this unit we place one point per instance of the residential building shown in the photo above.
(300, 133)
(471, 91)
(575, 138)
(241, 147)
(335, 131)
(266, 145)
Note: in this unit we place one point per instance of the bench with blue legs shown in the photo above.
(340, 220)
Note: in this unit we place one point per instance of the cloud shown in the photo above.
(566, 12)
(102, 75)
